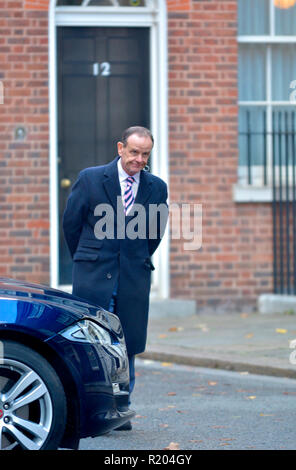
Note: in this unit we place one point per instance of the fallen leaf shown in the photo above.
(212, 383)
(251, 397)
(244, 315)
(164, 425)
(171, 394)
(203, 327)
(162, 336)
(249, 335)
(262, 414)
(167, 408)
(173, 446)
(166, 364)
(281, 330)
(176, 328)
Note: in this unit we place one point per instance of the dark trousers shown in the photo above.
(131, 359)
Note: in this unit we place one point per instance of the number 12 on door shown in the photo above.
(103, 69)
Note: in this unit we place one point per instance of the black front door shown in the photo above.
(103, 88)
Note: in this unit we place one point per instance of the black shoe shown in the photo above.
(125, 427)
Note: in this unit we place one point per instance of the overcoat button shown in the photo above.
(109, 275)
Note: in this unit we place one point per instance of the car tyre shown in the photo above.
(33, 407)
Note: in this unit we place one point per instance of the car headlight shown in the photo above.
(87, 331)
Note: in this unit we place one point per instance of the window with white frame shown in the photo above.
(267, 77)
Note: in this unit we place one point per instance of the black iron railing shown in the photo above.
(284, 202)
(279, 171)
(254, 146)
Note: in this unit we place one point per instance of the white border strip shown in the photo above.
(53, 150)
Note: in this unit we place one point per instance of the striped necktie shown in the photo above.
(128, 196)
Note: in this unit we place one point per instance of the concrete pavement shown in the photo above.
(245, 342)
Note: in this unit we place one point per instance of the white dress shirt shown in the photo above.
(122, 175)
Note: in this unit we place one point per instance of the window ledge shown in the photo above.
(248, 193)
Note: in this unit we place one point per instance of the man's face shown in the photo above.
(135, 155)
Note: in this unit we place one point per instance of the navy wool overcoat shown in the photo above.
(110, 249)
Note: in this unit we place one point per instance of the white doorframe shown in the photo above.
(156, 20)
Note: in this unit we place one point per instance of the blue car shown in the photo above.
(63, 369)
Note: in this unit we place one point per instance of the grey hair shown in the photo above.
(139, 130)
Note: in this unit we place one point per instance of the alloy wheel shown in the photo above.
(26, 410)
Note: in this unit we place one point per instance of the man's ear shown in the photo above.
(119, 148)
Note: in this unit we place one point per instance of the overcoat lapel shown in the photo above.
(111, 183)
(145, 188)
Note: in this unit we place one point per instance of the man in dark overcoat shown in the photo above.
(112, 229)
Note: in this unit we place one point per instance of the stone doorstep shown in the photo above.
(275, 303)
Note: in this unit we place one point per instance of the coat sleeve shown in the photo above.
(161, 222)
(75, 213)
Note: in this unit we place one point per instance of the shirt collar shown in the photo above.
(123, 175)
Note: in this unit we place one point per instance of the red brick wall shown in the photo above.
(234, 264)
(24, 167)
